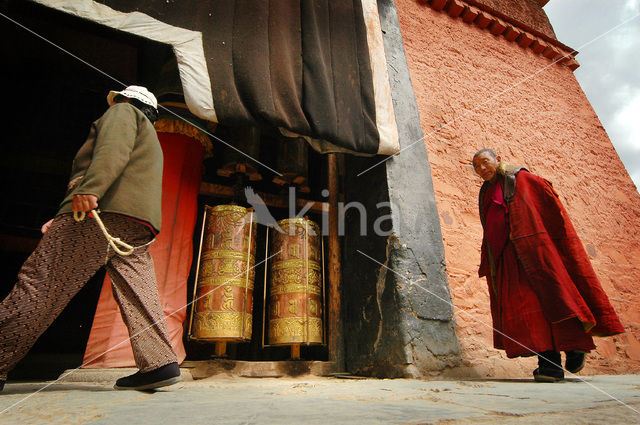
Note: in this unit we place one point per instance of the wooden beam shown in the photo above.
(270, 199)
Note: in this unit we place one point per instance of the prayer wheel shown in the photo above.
(295, 296)
(222, 310)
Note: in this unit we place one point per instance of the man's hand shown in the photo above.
(46, 226)
(84, 203)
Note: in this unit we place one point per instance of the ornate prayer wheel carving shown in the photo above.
(224, 293)
(295, 297)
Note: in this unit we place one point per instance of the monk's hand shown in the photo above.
(84, 203)
(46, 226)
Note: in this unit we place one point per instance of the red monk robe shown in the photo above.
(543, 291)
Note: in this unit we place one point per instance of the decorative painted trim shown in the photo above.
(473, 13)
(169, 125)
(385, 116)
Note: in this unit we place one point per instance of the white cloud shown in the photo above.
(609, 72)
(629, 118)
(632, 6)
(627, 124)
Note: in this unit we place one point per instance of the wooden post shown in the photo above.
(221, 348)
(295, 351)
(336, 335)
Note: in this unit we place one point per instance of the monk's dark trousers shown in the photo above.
(66, 258)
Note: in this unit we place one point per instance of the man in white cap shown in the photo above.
(119, 169)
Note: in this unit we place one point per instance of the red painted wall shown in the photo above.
(478, 90)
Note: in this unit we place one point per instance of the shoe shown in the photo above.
(549, 369)
(548, 375)
(575, 361)
(1, 384)
(161, 377)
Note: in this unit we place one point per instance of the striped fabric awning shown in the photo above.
(312, 68)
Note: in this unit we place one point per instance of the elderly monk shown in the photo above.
(545, 297)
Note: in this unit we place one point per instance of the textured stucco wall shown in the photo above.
(539, 118)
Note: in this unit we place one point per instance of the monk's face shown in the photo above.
(486, 166)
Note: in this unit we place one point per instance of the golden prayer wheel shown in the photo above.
(222, 308)
(295, 296)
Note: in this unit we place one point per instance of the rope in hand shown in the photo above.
(115, 243)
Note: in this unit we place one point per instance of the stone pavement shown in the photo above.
(312, 400)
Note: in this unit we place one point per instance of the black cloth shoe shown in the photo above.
(160, 377)
(549, 369)
(575, 361)
(1, 384)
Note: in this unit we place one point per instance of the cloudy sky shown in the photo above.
(609, 70)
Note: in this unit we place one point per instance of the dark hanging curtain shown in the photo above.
(298, 64)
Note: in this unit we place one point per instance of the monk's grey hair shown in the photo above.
(489, 151)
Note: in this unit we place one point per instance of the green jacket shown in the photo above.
(121, 164)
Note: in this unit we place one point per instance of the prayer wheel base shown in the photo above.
(221, 348)
(295, 351)
(201, 369)
(219, 340)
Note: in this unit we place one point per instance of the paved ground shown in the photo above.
(314, 400)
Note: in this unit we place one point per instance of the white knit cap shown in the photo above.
(135, 92)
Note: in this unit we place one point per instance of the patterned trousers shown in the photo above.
(66, 258)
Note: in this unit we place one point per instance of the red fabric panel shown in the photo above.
(172, 252)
